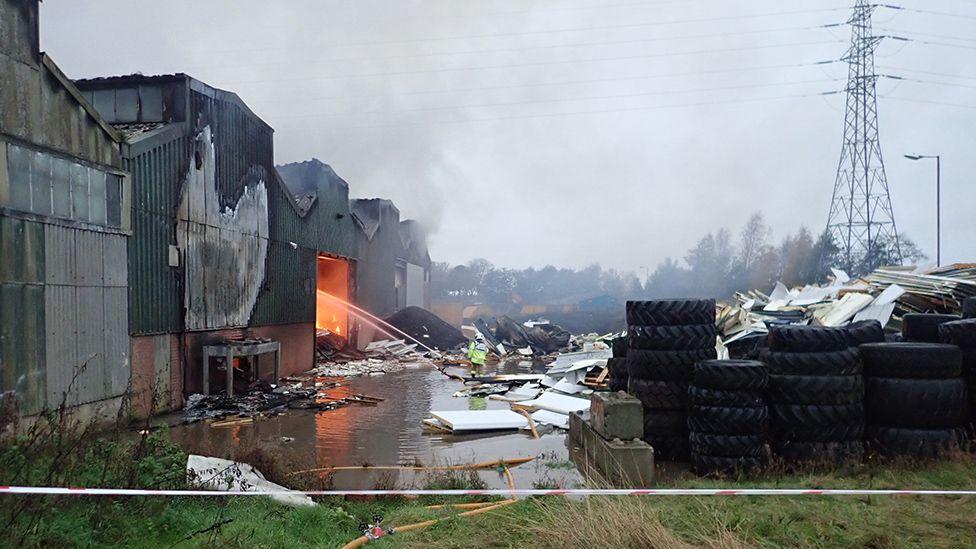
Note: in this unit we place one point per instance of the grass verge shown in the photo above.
(59, 457)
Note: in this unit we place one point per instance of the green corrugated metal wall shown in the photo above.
(240, 141)
(155, 295)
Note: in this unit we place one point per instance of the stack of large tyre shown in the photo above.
(727, 417)
(815, 394)
(618, 365)
(969, 307)
(665, 340)
(916, 398)
(924, 327)
(962, 333)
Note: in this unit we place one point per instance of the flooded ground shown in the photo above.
(391, 433)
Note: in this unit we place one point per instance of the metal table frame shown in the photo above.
(231, 350)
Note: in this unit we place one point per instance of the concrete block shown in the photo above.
(628, 464)
(617, 415)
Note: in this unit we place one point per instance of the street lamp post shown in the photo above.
(938, 203)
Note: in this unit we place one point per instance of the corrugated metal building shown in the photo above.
(64, 227)
(218, 247)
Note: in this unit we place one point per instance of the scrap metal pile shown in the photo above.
(886, 295)
(544, 399)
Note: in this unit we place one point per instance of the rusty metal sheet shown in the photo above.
(59, 254)
(61, 345)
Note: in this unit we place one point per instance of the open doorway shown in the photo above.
(332, 285)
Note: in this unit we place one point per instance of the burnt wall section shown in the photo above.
(223, 248)
(417, 258)
(380, 271)
(327, 225)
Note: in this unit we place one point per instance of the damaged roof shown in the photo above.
(368, 213)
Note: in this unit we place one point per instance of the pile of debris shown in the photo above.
(264, 400)
(428, 328)
(379, 357)
(538, 338)
(534, 399)
(885, 295)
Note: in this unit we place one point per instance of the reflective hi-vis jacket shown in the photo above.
(477, 352)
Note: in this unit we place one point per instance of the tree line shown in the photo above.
(719, 265)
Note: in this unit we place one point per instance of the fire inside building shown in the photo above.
(149, 242)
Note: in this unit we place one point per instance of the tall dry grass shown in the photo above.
(614, 522)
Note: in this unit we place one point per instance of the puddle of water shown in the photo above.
(391, 433)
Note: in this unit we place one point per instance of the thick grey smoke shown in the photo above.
(608, 131)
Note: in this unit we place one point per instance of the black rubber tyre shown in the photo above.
(829, 452)
(705, 465)
(728, 420)
(618, 384)
(671, 312)
(667, 423)
(835, 433)
(969, 307)
(670, 448)
(665, 365)
(911, 360)
(924, 328)
(960, 332)
(618, 347)
(618, 367)
(916, 443)
(736, 375)
(718, 397)
(659, 395)
(806, 339)
(834, 363)
(917, 403)
(804, 417)
(728, 445)
(864, 331)
(672, 338)
(815, 389)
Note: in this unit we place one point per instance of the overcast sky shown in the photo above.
(534, 132)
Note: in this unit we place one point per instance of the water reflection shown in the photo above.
(388, 433)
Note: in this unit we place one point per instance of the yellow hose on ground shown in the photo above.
(483, 508)
(464, 467)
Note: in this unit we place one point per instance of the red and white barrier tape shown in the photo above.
(53, 491)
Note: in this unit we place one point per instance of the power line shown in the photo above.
(929, 43)
(548, 46)
(928, 35)
(602, 111)
(928, 12)
(929, 102)
(930, 82)
(589, 81)
(930, 73)
(534, 64)
(568, 29)
(571, 99)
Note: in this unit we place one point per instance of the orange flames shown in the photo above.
(332, 280)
